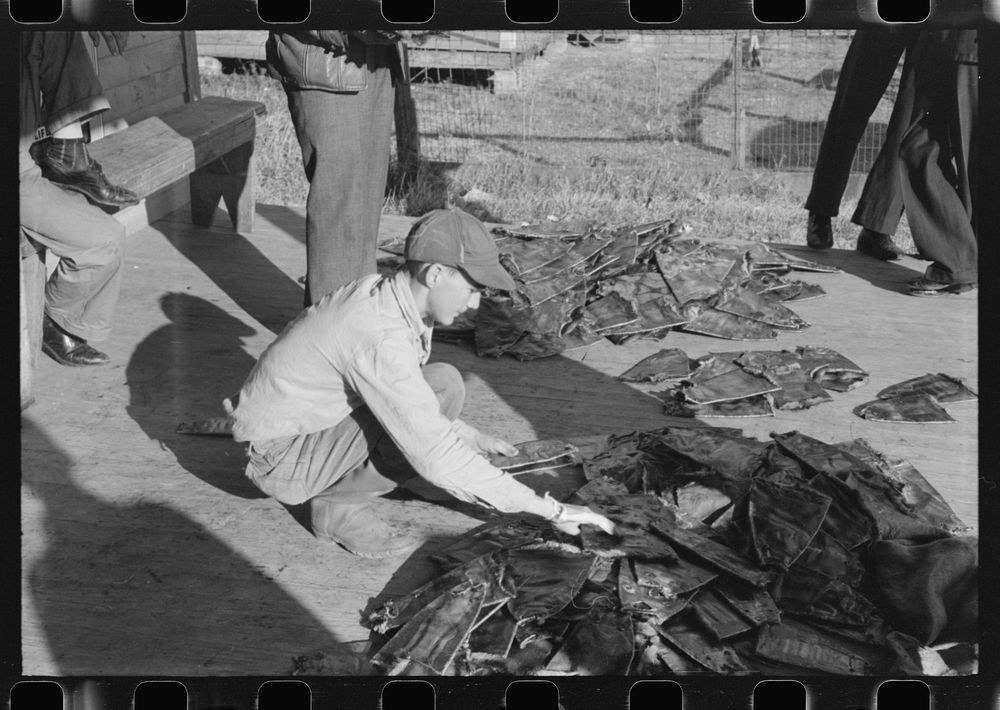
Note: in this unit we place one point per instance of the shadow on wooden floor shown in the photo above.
(171, 588)
(170, 382)
(254, 282)
(891, 276)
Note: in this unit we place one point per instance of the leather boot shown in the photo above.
(67, 163)
(68, 349)
(358, 528)
(819, 231)
(878, 245)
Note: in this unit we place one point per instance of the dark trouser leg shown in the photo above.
(868, 67)
(344, 140)
(880, 206)
(935, 154)
(940, 225)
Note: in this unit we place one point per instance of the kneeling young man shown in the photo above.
(343, 406)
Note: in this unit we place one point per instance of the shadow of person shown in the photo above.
(230, 260)
(180, 373)
(140, 589)
(888, 275)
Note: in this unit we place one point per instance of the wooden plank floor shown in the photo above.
(147, 553)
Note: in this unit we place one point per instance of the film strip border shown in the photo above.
(687, 693)
(517, 14)
(534, 694)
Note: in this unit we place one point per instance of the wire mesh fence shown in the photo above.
(632, 99)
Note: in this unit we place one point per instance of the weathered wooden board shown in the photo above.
(155, 152)
(147, 90)
(138, 61)
(236, 44)
(158, 71)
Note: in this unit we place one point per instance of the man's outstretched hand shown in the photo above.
(571, 517)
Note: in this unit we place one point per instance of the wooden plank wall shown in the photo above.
(485, 49)
(232, 44)
(157, 72)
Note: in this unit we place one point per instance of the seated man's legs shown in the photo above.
(340, 471)
(81, 294)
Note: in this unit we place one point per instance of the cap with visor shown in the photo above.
(455, 238)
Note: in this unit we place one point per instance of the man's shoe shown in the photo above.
(819, 231)
(878, 245)
(68, 164)
(358, 528)
(926, 287)
(67, 349)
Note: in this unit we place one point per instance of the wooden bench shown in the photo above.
(210, 140)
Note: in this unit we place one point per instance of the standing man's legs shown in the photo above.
(381, 116)
(940, 225)
(937, 183)
(880, 206)
(868, 66)
(344, 140)
(867, 69)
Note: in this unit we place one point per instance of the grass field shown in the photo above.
(625, 132)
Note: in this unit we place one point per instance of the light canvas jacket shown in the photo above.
(364, 344)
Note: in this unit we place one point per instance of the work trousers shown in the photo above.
(353, 461)
(58, 87)
(868, 67)
(344, 139)
(937, 155)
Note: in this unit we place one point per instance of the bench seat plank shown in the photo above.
(155, 152)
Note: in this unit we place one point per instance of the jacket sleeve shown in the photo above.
(388, 379)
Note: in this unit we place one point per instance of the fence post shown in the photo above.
(405, 116)
(739, 115)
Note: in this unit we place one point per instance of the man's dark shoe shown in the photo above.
(878, 245)
(68, 164)
(67, 349)
(819, 231)
(926, 287)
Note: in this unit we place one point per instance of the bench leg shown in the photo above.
(231, 177)
(32, 306)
